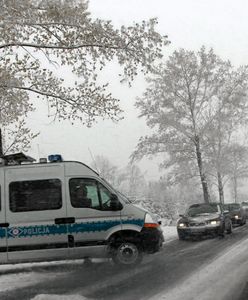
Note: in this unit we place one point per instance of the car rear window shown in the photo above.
(234, 206)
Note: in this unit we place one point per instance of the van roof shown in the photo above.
(29, 164)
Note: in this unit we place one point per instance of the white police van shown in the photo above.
(63, 209)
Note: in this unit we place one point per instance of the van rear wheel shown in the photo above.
(127, 254)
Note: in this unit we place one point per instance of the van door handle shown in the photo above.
(4, 224)
(65, 220)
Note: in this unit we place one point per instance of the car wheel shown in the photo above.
(127, 254)
(181, 236)
(221, 231)
(229, 228)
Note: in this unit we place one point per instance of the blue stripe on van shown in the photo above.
(2, 233)
(138, 222)
(92, 226)
(54, 229)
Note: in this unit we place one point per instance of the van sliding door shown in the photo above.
(36, 212)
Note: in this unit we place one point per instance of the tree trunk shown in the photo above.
(1, 143)
(235, 188)
(220, 188)
(202, 175)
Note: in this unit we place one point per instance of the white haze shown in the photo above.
(219, 24)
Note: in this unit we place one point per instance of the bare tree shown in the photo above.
(181, 104)
(106, 169)
(135, 180)
(127, 179)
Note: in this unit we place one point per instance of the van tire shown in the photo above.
(127, 254)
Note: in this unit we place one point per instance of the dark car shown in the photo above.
(245, 208)
(204, 219)
(236, 212)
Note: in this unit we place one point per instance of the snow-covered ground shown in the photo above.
(170, 233)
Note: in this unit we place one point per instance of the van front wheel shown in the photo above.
(127, 254)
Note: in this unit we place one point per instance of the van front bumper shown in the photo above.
(151, 239)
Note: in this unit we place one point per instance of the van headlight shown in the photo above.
(236, 217)
(150, 222)
(181, 225)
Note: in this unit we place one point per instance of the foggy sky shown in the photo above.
(221, 24)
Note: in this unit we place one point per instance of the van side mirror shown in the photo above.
(181, 215)
(115, 203)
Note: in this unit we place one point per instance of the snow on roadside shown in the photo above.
(20, 280)
(8, 268)
(170, 233)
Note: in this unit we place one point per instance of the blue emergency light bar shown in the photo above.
(55, 158)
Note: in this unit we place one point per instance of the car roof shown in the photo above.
(201, 204)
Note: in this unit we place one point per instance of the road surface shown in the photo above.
(206, 269)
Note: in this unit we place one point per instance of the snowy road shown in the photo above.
(207, 269)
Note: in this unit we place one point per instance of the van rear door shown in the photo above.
(3, 224)
(36, 212)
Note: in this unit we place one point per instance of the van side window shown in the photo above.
(35, 195)
(84, 193)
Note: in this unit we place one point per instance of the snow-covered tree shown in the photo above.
(230, 115)
(14, 133)
(37, 37)
(238, 167)
(183, 102)
(135, 181)
(16, 137)
(107, 170)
